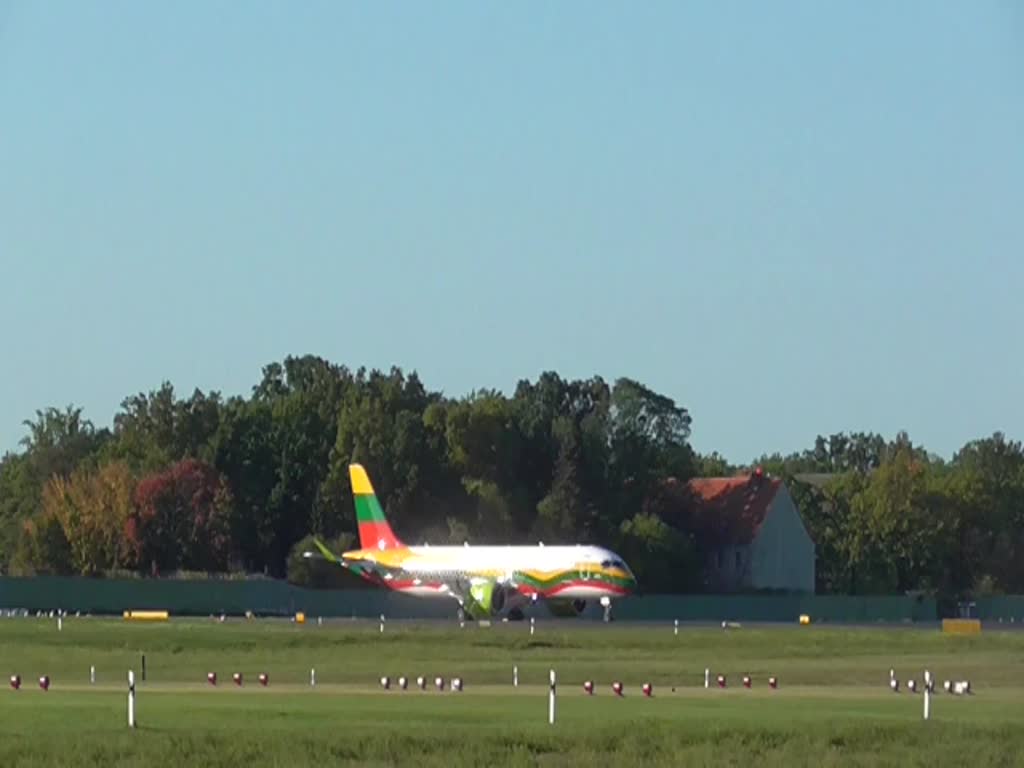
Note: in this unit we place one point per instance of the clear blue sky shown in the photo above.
(792, 217)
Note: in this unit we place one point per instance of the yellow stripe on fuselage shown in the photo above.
(592, 569)
(391, 558)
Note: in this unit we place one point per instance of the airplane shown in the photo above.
(486, 581)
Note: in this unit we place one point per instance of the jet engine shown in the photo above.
(488, 599)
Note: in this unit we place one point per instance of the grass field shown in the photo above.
(833, 705)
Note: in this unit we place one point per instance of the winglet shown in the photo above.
(328, 555)
(374, 531)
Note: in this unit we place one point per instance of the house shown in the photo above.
(751, 533)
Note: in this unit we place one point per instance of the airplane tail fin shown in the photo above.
(374, 531)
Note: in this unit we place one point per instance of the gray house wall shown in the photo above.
(782, 554)
(731, 568)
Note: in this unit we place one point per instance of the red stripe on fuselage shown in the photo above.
(400, 585)
(567, 585)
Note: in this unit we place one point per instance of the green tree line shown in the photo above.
(214, 484)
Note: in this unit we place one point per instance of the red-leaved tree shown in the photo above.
(181, 519)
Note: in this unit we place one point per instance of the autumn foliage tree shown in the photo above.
(92, 508)
(181, 519)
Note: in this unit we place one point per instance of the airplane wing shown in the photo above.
(479, 596)
(359, 568)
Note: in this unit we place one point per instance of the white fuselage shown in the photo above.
(428, 559)
(573, 572)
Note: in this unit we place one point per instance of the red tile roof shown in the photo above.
(731, 509)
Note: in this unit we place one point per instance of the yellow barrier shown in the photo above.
(146, 615)
(961, 626)
(805, 619)
(300, 618)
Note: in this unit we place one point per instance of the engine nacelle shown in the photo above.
(488, 599)
(500, 598)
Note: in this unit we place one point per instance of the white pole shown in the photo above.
(927, 703)
(312, 677)
(531, 625)
(382, 623)
(676, 632)
(551, 700)
(707, 677)
(515, 676)
(60, 624)
(131, 699)
(92, 675)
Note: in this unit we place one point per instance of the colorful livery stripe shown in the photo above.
(546, 583)
(374, 531)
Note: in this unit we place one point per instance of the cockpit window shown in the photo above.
(607, 563)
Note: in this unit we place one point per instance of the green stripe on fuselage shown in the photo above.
(573, 575)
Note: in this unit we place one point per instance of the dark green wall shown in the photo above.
(277, 598)
(206, 597)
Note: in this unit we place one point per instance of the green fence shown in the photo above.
(999, 608)
(267, 597)
(775, 608)
(208, 596)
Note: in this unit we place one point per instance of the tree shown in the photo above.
(648, 436)
(563, 512)
(987, 485)
(43, 547)
(92, 508)
(245, 454)
(712, 465)
(663, 558)
(381, 424)
(182, 519)
(153, 430)
(58, 441)
(901, 520)
(19, 501)
(828, 511)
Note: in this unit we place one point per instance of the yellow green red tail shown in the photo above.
(374, 531)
